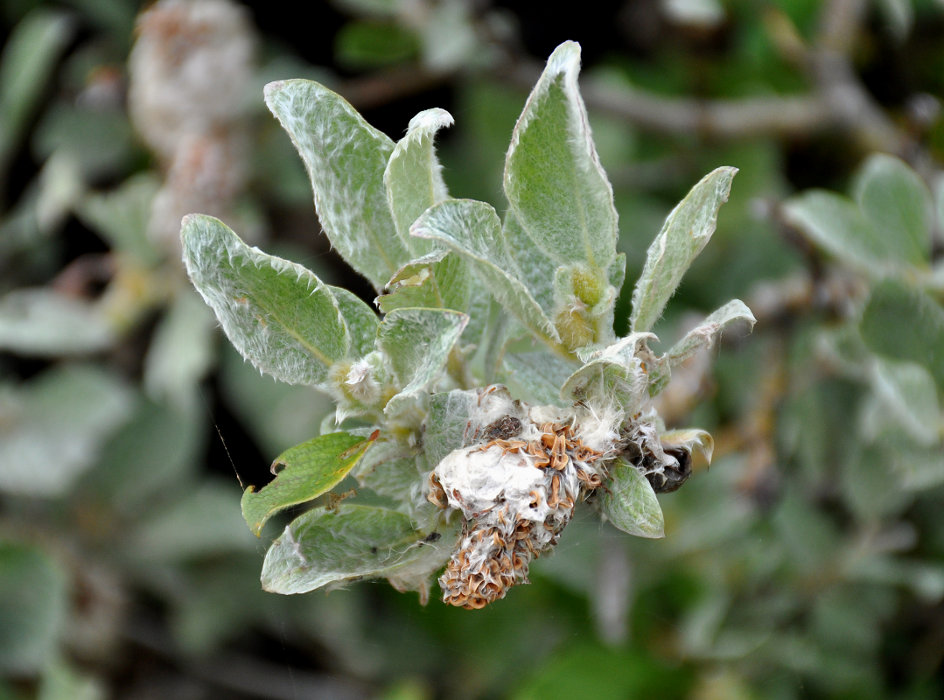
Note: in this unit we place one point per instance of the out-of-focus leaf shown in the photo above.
(200, 522)
(159, 445)
(698, 14)
(323, 547)
(449, 38)
(413, 177)
(898, 16)
(630, 503)
(708, 331)
(870, 485)
(374, 44)
(472, 229)
(603, 673)
(909, 400)
(308, 470)
(121, 216)
(100, 141)
(898, 205)
(837, 224)
(553, 177)
(62, 681)
(345, 158)
(905, 324)
(54, 427)
(60, 189)
(33, 600)
(181, 351)
(279, 315)
(31, 52)
(684, 234)
(42, 322)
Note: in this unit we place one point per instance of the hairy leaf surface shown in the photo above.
(345, 158)
(684, 234)
(278, 314)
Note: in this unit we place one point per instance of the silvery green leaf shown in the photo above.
(629, 502)
(307, 471)
(870, 485)
(837, 225)
(708, 331)
(905, 324)
(898, 16)
(345, 158)
(689, 439)
(121, 216)
(536, 376)
(417, 342)
(34, 603)
(898, 205)
(448, 423)
(553, 177)
(278, 314)
(159, 444)
(684, 234)
(29, 58)
(390, 470)
(323, 547)
(909, 399)
(615, 373)
(413, 177)
(202, 521)
(473, 229)
(42, 322)
(361, 321)
(182, 350)
(438, 280)
(617, 272)
(533, 265)
(61, 187)
(55, 426)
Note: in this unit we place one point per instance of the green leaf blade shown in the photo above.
(686, 231)
(473, 230)
(630, 503)
(361, 321)
(704, 335)
(321, 547)
(553, 177)
(898, 204)
(278, 314)
(418, 342)
(345, 158)
(413, 176)
(309, 470)
(837, 225)
(905, 324)
(437, 280)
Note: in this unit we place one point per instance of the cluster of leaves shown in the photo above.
(464, 295)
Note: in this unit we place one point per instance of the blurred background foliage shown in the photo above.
(809, 562)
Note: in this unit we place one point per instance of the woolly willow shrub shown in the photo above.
(490, 395)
